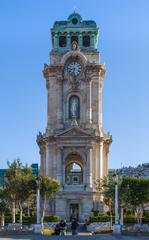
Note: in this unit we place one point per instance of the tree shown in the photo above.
(135, 192)
(26, 188)
(105, 187)
(12, 180)
(20, 184)
(48, 188)
(3, 206)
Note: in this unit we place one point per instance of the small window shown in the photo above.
(86, 41)
(75, 179)
(74, 39)
(62, 41)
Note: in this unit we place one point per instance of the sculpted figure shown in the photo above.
(74, 46)
(74, 107)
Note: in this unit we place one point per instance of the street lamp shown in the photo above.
(38, 200)
(38, 225)
(116, 225)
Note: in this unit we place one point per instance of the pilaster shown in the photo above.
(59, 175)
(59, 102)
(89, 103)
(89, 167)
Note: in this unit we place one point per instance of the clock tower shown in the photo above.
(74, 148)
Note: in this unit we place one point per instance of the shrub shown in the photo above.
(100, 218)
(52, 218)
(96, 212)
(129, 219)
(146, 214)
(29, 220)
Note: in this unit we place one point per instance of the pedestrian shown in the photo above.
(63, 227)
(74, 226)
(57, 229)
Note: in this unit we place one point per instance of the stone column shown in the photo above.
(59, 164)
(101, 159)
(89, 102)
(100, 103)
(63, 167)
(92, 40)
(48, 103)
(89, 167)
(80, 41)
(68, 41)
(95, 103)
(42, 160)
(97, 161)
(49, 162)
(59, 102)
(84, 173)
(56, 41)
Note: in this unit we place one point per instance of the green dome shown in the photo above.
(75, 18)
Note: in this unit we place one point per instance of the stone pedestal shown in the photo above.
(117, 229)
(37, 228)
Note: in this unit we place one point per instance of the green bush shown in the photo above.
(52, 218)
(8, 219)
(146, 214)
(32, 219)
(29, 220)
(100, 218)
(145, 220)
(129, 219)
(96, 212)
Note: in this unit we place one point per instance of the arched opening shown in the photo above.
(62, 41)
(86, 41)
(74, 170)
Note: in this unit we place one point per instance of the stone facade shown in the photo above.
(74, 148)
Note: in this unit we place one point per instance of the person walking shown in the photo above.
(74, 227)
(63, 227)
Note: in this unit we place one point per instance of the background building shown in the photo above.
(141, 171)
(34, 167)
(74, 149)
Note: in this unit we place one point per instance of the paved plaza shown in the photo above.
(101, 236)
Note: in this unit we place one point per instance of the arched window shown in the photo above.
(74, 107)
(62, 41)
(73, 174)
(86, 41)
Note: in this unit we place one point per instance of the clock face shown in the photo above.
(74, 68)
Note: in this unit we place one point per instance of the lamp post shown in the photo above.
(38, 225)
(38, 201)
(116, 225)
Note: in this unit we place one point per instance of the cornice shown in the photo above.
(52, 70)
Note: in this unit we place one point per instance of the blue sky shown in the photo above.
(124, 47)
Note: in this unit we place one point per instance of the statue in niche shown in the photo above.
(74, 46)
(74, 107)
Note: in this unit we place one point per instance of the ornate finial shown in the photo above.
(74, 7)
